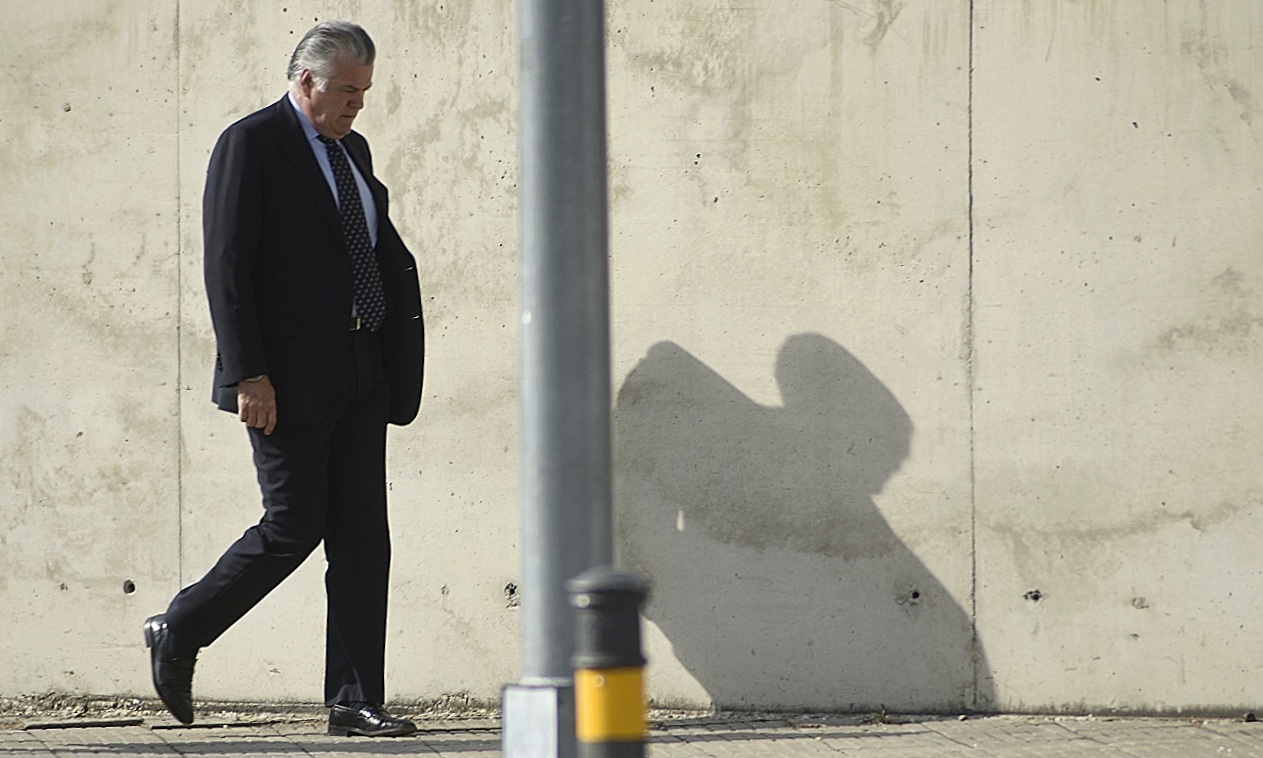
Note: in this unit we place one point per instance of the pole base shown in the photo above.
(537, 721)
(611, 750)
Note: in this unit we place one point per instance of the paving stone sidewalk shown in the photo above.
(903, 737)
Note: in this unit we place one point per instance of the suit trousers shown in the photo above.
(323, 481)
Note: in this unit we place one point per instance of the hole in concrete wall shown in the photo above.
(128, 586)
(1034, 596)
(911, 597)
(510, 593)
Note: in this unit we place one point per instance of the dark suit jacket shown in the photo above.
(278, 273)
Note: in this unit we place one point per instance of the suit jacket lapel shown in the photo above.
(293, 142)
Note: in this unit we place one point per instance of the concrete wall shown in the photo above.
(1118, 317)
(936, 325)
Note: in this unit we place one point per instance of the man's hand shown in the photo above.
(256, 404)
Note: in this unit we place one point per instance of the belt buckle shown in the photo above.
(356, 323)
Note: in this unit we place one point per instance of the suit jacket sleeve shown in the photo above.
(232, 220)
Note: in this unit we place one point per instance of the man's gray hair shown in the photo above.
(323, 43)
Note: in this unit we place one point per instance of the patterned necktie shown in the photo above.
(370, 298)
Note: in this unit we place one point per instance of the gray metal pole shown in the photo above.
(566, 489)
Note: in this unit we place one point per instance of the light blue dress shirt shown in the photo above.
(322, 157)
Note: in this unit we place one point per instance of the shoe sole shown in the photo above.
(340, 731)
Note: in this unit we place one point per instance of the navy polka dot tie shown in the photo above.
(370, 299)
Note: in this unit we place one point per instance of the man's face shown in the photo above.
(333, 109)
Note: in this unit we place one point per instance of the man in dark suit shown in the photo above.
(317, 315)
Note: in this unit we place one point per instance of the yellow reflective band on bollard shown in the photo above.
(609, 705)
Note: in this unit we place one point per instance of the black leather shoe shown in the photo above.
(172, 677)
(367, 721)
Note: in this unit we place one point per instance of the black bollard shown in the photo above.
(609, 666)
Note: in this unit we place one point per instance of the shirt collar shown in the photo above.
(308, 129)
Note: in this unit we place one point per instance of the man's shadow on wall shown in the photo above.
(775, 577)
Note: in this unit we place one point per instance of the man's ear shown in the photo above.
(306, 83)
